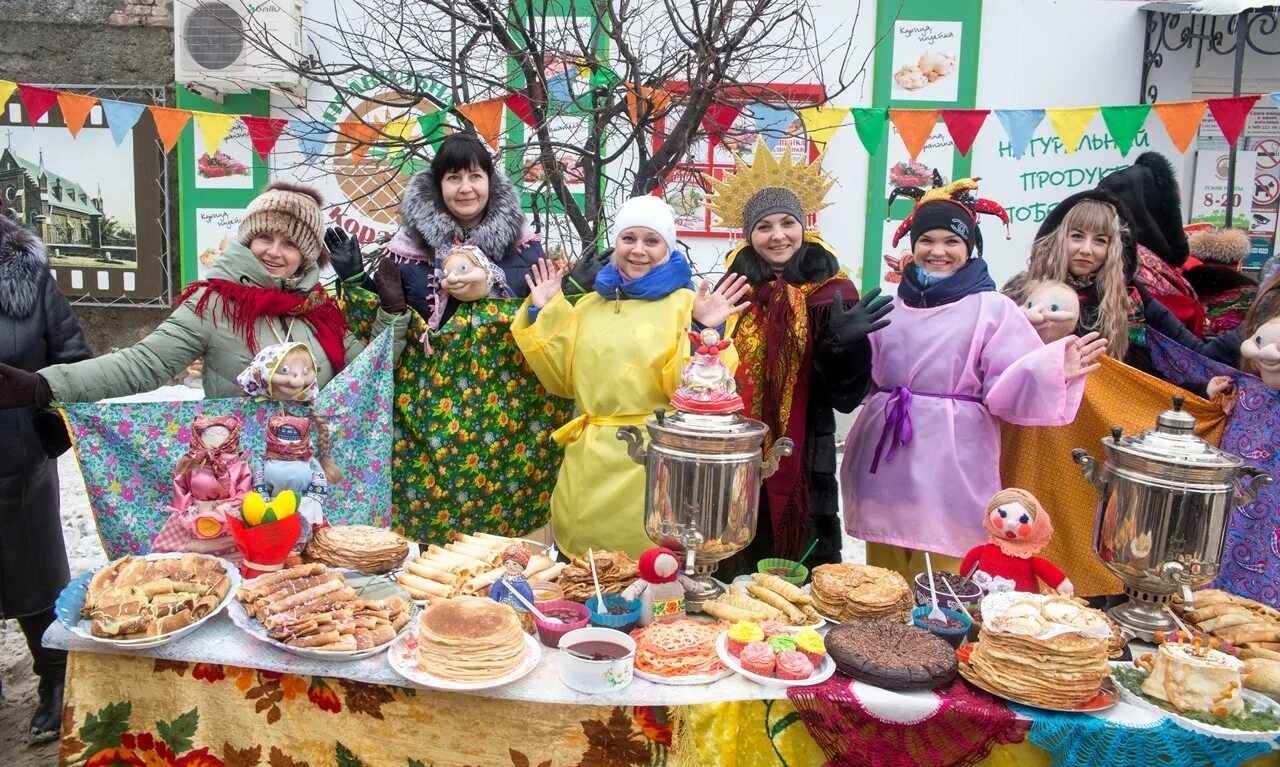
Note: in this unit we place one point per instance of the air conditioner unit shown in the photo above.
(235, 45)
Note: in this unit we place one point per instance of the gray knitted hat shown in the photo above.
(767, 202)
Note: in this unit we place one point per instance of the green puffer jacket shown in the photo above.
(185, 336)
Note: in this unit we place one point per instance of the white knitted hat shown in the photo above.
(651, 213)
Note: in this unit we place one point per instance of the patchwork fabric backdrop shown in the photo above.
(127, 451)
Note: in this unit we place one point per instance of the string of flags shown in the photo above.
(1181, 120)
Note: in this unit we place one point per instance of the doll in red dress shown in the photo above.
(1019, 528)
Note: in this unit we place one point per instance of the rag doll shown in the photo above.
(514, 560)
(660, 588)
(209, 482)
(707, 385)
(1019, 528)
(284, 372)
(1052, 307)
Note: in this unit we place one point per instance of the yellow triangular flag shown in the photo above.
(213, 129)
(821, 123)
(1070, 123)
(7, 87)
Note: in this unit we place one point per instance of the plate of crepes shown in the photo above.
(679, 652)
(1045, 651)
(1249, 629)
(469, 566)
(1201, 688)
(774, 655)
(760, 597)
(318, 613)
(848, 593)
(465, 643)
(147, 601)
(357, 549)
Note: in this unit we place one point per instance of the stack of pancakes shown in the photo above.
(1065, 671)
(363, 548)
(846, 592)
(469, 639)
(616, 570)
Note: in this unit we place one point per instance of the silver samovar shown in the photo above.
(703, 490)
(1166, 496)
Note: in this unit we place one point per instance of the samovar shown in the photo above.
(704, 474)
(1165, 499)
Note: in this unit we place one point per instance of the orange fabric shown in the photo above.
(1038, 459)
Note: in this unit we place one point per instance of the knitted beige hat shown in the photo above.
(294, 211)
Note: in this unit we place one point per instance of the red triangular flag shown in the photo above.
(964, 124)
(263, 132)
(519, 105)
(718, 119)
(37, 101)
(75, 110)
(1230, 113)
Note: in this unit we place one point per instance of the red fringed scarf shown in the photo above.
(244, 305)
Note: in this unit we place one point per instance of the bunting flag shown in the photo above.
(169, 124)
(1124, 124)
(264, 132)
(75, 109)
(361, 136)
(821, 123)
(964, 124)
(871, 125)
(1181, 121)
(37, 101)
(718, 119)
(486, 116)
(914, 126)
(1070, 124)
(7, 87)
(1020, 125)
(655, 100)
(1231, 113)
(771, 122)
(520, 106)
(1275, 97)
(311, 136)
(121, 117)
(214, 128)
(604, 77)
(431, 125)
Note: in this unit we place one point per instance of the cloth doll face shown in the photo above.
(665, 566)
(463, 278)
(217, 433)
(293, 376)
(1012, 520)
(1053, 309)
(513, 568)
(215, 437)
(1263, 349)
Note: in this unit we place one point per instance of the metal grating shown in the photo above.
(214, 35)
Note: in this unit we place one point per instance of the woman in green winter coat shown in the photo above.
(263, 289)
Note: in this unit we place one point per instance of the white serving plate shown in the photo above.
(820, 674)
(680, 681)
(374, 589)
(1255, 699)
(403, 657)
(738, 584)
(71, 601)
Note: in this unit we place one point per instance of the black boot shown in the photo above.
(46, 722)
(51, 666)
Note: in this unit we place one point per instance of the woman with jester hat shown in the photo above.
(802, 345)
(922, 459)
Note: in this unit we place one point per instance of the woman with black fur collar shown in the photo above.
(37, 328)
(461, 198)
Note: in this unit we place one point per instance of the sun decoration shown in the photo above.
(729, 195)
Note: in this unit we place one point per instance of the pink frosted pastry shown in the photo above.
(793, 665)
(774, 629)
(758, 658)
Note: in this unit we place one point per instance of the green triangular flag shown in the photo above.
(871, 124)
(1124, 123)
(431, 123)
(604, 77)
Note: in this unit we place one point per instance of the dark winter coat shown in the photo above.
(37, 328)
(1226, 294)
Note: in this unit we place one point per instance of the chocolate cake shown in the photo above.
(891, 655)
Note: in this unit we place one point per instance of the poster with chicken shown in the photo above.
(926, 58)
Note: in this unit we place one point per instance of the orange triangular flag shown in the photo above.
(486, 116)
(656, 98)
(75, 109)
(169, 124)
(1181, 121)
(914, 126)
(361, 135)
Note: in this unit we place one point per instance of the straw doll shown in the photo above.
(1019, 528)
(660, 587)
(209, 482)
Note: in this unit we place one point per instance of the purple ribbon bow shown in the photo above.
(897, 419)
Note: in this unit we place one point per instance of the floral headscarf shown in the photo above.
(255, 381)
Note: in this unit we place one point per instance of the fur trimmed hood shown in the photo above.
(502, 231)
(22, 265)
(1150, 189)
(1220, 246)
(1059, 213)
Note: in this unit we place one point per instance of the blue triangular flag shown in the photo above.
(772, 122)
(1275, 98)
(1021, 125)
(312, 136)
(121, 117)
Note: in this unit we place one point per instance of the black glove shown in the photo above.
(849, 326)
(19, 388)
(344, 253)
(390, 287)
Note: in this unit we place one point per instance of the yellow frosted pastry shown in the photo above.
(810, 643)
(742, 634)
